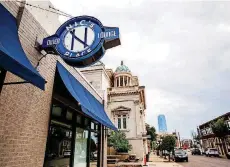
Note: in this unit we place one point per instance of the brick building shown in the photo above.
(208, 138)
(50, 127)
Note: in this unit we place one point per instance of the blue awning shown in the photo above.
(12, 56)
(89, 104)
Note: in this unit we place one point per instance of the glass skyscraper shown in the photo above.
(162, 123)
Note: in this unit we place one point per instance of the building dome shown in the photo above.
(122, 76)
(122, 68)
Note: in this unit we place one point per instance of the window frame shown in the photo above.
(122, 117)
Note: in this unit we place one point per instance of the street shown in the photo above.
(203, 161)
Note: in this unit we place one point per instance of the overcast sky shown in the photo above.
(179, 50)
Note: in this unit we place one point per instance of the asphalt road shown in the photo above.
(203, 161)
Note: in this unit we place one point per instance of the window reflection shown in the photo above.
(93, 149)
(80, 154)
(59, 149)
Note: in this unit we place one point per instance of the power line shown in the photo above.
(59, 11)
(63, 14)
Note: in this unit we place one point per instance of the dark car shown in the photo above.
(196, 151)
(180, 155)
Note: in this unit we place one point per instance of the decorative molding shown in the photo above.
(123, 93)
(136, 102)
(121, 110)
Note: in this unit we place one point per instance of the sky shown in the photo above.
(180, 50)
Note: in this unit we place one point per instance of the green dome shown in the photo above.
(122, 68)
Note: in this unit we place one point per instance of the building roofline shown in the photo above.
(228, 113)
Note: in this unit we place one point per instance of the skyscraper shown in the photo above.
(162, 123)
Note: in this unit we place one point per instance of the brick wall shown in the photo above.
(24, 109)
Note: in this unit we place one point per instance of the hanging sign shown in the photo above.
(82, 41)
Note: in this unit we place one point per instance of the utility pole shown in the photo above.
(179, 140)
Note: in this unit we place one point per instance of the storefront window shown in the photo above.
(92, 125)
(56, 111)
(86, 122)
(79, 119)
(58, 150)
(80, 154)
(69, 115)
(94, 149)
(73, 140)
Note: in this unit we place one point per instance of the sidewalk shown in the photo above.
(156, 161)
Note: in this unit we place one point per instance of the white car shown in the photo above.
(212, 152)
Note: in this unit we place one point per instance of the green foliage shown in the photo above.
(168, 143)
(153, 145)
(119, 142)
(151, 131)
(159, 147)
(220, 128)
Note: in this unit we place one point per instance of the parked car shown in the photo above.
(203, 151)
(228, 154)
(196, 151)
(180, 155)
(212, 152)
(165, 153)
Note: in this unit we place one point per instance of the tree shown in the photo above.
(153, 145)
(220, 129)
(151, 131)
(168, 144)
(119, 142)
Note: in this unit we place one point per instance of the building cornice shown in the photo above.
(123, 93)
(121, 108)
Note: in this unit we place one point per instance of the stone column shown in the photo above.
(123, 80)
(119, 81)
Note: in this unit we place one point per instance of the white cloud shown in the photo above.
(179, 50)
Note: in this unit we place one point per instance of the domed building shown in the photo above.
(126, 107)
(124, 102)
(122, 76)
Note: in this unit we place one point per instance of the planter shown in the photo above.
(123, 156)
(111, 151)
